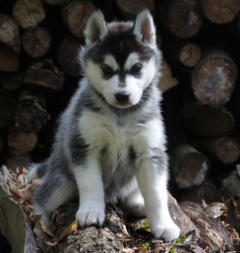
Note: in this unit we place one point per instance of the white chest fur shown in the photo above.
(100, 131)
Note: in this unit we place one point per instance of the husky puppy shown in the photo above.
(110, 143)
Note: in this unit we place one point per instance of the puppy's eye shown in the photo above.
(107, 70)
(136, 68)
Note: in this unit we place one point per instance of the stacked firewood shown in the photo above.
(40, 41)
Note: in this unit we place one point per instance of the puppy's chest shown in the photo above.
(111, 141)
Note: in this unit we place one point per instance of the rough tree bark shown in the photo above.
(119, 232)
(45, 74)
(14, 224)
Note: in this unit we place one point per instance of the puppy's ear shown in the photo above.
(144, 27)
(96, 28)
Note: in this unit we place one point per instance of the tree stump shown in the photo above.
(28, 13)
(206, 191)
(224, 149)
(18, 162)
(31, 113)
(9, 59)
(68, 56)
(183, 18)
(129, 9)
(45, 74)
(9, 32)
(206, 121)
(213, 79)
(189, 54)
(75, 16)
(20, 143)
(212, 231)
(188, 166)
(36, 42)
(221, 12)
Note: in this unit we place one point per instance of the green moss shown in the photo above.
(181, 239)
(172, 250)
(146, 226)
(146, 245)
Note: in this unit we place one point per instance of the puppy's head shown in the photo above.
(121, 59)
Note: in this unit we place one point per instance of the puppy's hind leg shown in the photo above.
(134, 203)
(52, 193)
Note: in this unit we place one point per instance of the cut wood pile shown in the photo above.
(40, 42)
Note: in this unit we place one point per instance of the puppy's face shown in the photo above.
(122, 63)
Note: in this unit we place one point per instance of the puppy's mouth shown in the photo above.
(115, 104)
(122, 106)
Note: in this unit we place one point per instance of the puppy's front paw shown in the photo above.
(167, 230)
(89, 216)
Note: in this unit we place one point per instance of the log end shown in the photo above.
(213, 80)
(228, 150)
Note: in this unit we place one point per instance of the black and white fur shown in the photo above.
(111, 147)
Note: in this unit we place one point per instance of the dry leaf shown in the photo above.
(19, 188)
(72, 228)
(142, 250)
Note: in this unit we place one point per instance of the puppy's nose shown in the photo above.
(122, 97)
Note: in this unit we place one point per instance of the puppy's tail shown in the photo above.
(36, 170)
